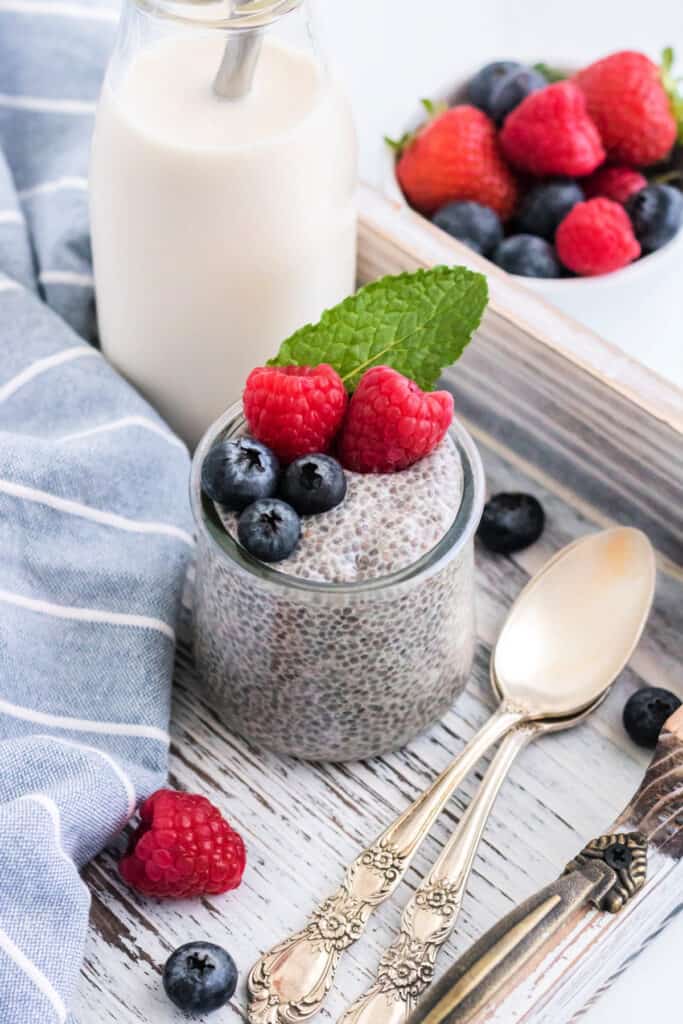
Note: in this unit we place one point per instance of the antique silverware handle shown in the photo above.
(607, 873)
(290, 982)
(407, 967)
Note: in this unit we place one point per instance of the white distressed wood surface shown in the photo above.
(304, 823)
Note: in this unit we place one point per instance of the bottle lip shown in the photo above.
(243, 16)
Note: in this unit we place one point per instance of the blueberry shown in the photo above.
(646, 711)
(511, 522)
(480, 87)
(313, 484)
(656, 213)
(510, 89)
(475, 225)
(544, 206)
(200, 977)
(269, 529)
(237, 472)
(527, 256)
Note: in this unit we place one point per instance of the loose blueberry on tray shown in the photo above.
(269, 529)
(646, 711)
(313, 484)
(511, 522)
(240, 471)
(200, 977)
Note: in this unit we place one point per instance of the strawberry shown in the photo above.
(550, 133)
(455, 156)
(627, 99)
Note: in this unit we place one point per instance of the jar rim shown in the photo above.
(248, 16)
(459, 534)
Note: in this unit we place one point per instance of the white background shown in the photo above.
(391, 52)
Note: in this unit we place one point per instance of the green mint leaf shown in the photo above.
(417, 323)
(550, 74)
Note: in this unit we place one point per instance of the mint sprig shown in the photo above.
(418, 323)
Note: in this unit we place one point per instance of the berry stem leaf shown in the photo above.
(673, 87)
(433, 110)
(418, 323)
(549, 73)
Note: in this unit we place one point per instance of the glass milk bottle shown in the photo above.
(222, 197)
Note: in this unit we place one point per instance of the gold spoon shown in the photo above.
(569, 633)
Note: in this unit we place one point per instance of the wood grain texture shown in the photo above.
(303, 824)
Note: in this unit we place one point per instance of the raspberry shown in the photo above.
(456, 156)
(617, 183)
(295, 410)
(596, 237)
(391, 423)
(182, 847)
(550, 132)
(628, 102)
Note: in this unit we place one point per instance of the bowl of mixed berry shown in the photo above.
(569, 179)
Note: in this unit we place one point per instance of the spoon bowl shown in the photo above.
(575, 625)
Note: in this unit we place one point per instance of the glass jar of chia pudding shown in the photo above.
(308, 661)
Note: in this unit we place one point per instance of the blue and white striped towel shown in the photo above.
(94, 523)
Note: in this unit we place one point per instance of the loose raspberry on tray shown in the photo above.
(182, 847)
(596, 238)
(295, 410)
(392, 423)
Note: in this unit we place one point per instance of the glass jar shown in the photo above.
(329, 671)
(223, 178)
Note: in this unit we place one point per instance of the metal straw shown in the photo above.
(236, 73)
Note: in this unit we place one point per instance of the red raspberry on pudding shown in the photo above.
(182, 847)
(392, 423)
(294, 410)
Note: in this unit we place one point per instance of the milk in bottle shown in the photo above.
(219, 225)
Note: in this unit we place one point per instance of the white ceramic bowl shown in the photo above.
(611, 303)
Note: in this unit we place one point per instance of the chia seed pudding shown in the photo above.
(364, 636)
(386, 522)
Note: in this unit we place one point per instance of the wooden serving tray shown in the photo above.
(560, 413)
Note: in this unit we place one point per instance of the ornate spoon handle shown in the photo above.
(290, 982)
(407, 967)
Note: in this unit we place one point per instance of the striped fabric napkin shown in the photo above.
(95, 528)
